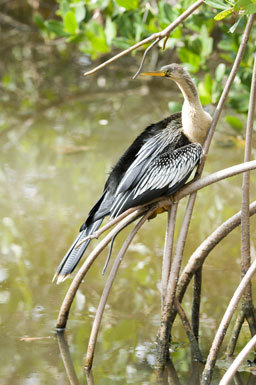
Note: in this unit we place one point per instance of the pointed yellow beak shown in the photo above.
(155, 73)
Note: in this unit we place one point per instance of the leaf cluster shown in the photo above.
(99, 26)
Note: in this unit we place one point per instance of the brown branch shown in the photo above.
(218, 339)
(196, 353)
(200, 254)
(170, 228)
(156, 36)
(247, 304)
(196, 301)
(107, 288)
(235, 334)
(163, 337)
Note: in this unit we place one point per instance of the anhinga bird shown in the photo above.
(157, 163)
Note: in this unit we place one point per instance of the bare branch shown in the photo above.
(247, 304)
(107, 288)
(170, 228)
(144, 57)
(198, 257)
(235, 334)
(196, 353)
(237, 362)
(196, 302)
(156, 36)
(207, 373)
(67, 302)
(200, 254)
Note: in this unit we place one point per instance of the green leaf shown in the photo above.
(80, 12)
(55, 27)
(110, 30)
(234, 122)
(39, 21)
(219, 4)
(207, 42)
(128, 4)
(224, 14)
(234, 26)
(64, 8)
(220, 72)
(70, 23)
(121, 42)
(205, 89)
(249, 6)
(187, 56)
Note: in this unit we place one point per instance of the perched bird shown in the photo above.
(156, 164)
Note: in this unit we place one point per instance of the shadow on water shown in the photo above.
(60, 134)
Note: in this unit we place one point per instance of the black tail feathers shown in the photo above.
(74, 254)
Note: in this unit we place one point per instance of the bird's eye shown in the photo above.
(167, 73)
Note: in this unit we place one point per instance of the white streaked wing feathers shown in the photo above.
(171, 170)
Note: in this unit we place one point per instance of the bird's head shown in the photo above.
(173, 71)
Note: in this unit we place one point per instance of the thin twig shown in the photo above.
(170, 228)
(156, 36)
(196, 353)
(235, 334)
(237, 362)
(200, 254)
(107, 288)
(164, 331)
(67, 302)
(219, 336)
(196, 301)
(144, 57)
(247, 304)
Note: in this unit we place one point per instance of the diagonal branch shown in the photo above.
(107, 288)
(67, 302)
(156, 36)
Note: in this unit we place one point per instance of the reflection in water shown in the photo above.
(66, 358)
(166, 376)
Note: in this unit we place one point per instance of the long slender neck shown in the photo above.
(195, 120)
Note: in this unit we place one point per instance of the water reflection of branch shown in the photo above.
(66, 358)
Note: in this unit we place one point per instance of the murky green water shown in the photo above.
(63, 134)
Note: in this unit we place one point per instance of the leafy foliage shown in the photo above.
(102, 25)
